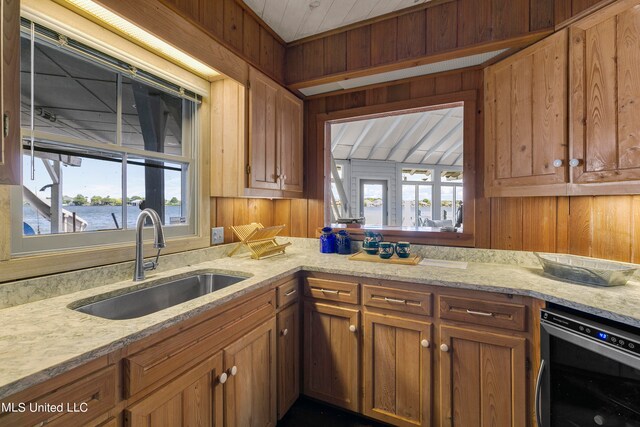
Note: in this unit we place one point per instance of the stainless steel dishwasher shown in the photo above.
(589, 373)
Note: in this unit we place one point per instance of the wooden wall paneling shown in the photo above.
(501, 123)
(217, 138)
(384, 35)
(541, 14)
(562, 224)
(294, 59)
(421, 88)
(358, 48)
(581, 225)
(335, 53)
(313, 59)
(561, 11)
(212, 17)
(521, 131)
(411, 40)
(442, 24)
(241, 211)
(191, 8)
(611, 232)
(315, 216)
(509, 18)
(377, 95)
(506, 223)
(299, 218)
(539, 224)
(628, 57)
(278, 61)
(233, 24)
(448, 83)
(266, 51)
(578, 6)
(251, 38)
(474, 22)
(282, 215)
(399, 92)
(224, 217)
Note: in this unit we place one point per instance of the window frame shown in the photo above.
(193, 154)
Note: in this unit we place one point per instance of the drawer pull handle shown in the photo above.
(424, 343)
(398, 301)
(223, 378)
(291, 292)
(329, 291)
(480, 313)
(285, 331)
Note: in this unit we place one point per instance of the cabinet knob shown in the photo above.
(233, 371)
(574, 162)
(285, 331)
(444, 348)
(223, 378)
(424, 343)
(558, 163)
(352, 328)
(284, 177)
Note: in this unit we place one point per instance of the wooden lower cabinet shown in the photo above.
(331, 354)
(250, 390)
(193, 399)
(482, 378)
(288, 357)
(397, 370)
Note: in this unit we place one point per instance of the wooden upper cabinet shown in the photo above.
(290, 138)
(526, 116)
(604, 54)
(263, 144)
(482, 378)
(275, 137)
(10, 93)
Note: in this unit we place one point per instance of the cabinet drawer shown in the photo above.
(89, 397)
(482, 312)
(397, 299)
(331, 290)
(169, 358)
(287, 293)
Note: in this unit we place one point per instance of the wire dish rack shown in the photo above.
(259, 240)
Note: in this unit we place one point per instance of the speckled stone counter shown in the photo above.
(44, 338)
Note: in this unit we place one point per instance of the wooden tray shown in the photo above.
(395, 259)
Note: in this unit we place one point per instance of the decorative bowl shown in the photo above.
(590, 271)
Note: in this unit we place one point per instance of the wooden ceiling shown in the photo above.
(297, 19)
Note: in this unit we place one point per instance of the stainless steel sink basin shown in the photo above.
(145, 301)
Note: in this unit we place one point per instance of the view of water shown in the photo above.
(97, 217)
(373, 215)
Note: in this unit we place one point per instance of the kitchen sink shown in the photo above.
(145, 301)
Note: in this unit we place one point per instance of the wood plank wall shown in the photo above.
(565, 9)
(233, 24)
(444, 27)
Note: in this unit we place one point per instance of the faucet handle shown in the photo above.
(152, 265)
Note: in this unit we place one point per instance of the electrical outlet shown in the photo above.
(217, 235)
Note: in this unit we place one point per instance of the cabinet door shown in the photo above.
(331, 354)
(10, 93)
(263, 144)
(288, 358)
(193, 399)
(397, 370)
(482, 378)
(250, 391)
(605, 88)
(290, 137)
(526, 114)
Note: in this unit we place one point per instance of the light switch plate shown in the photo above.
(217, 235)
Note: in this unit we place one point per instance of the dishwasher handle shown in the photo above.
(538, 407)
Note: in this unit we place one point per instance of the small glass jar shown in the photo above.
(327, 241)
(344, 242)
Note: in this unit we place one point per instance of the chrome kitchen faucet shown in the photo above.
(158, 243)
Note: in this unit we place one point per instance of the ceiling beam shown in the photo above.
(336, 140)
(428, 135)
(444, 139)
(450, 151)
(387, 133)
(408, 134)
(361, 138)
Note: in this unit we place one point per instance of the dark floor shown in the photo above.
(309, 413)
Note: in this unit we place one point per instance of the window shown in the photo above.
(101, 141)
(450, 194)
(417, 197)
(373, 201)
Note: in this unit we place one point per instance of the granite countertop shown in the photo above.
(44, 338)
